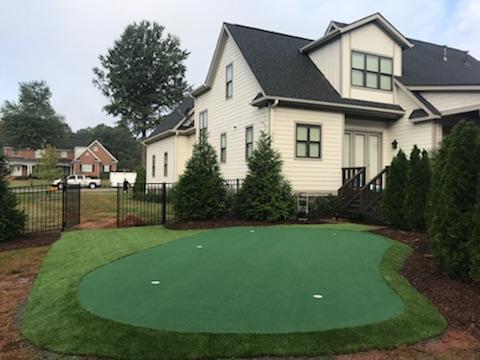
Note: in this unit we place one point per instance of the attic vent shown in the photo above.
(445, 53)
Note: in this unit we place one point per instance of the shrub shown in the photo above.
(393, 197)
(452, 199)
(265, 195)
(140, 184)
(200, 193)
(47, 166)
(322, 207)
(416, 190)
(12, 221)
(474, 245)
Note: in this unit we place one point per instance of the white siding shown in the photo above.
(183, 153)
(368, 39)
(158, 148)
(406, 132)
(310, 175)
(233, 115)
(327, 60)
(448, 101)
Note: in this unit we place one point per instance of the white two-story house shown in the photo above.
(347, 100)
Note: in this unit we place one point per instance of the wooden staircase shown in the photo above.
(360, 200)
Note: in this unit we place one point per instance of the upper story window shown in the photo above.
(153, 165)
(372, 71)
(248, 141)
(165, 164)
(15, 151)
(308, 141)
(229, 81)
(63, 154)
(203, 120)
(223, 147)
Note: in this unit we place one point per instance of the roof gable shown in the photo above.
(342, 28)
(89, 149)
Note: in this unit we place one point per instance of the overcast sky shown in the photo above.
(59, 41)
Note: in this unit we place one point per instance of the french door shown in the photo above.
(363, 149)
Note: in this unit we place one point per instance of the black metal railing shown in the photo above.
(150, 203)
(43, 205)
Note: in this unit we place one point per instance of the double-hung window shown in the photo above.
(229, 81)
(248, 141)
(372, 71)
(153, 165)
(203, 120)
(223, 147)
(165, 164)
(308, 141)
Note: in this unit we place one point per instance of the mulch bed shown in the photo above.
(458, 301)
(30, 240)
(192, 225)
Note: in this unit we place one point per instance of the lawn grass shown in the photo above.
(27, 182)
(54, 320)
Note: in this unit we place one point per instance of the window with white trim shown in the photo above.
(87, 168)
(165, 164)
(223, 148)
(372, 71)
(248, 141)
(203, 120)
(308, 141)
(106, 168)
(153, 165)
(229, 81)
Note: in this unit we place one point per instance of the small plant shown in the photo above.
(265, 195)
(12, 221)
(200, 193)
(394, 196)
(416, 190)
(322, 207)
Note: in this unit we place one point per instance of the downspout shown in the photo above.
(270, 118)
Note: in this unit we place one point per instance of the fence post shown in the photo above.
(64, 199)
(238, 184)
(164, 203)
(118, 205)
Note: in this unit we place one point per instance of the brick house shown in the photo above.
(93, 160)
(88, 160)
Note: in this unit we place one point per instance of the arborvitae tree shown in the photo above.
(474, 245)
(140, 184)
(394, 195)
(47, 166)
(12, 221)
(200, 193)
(266, 195)
(416, 190)
(451, 213)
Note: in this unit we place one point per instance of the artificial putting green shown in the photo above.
(248, 280)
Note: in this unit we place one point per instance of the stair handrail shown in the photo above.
(341, 192)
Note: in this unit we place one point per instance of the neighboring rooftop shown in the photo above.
(171, 120)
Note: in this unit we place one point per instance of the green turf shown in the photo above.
(248, 280)
(54, 320)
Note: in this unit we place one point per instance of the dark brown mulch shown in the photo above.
(230, 223)
(457, 300)
(30, 240)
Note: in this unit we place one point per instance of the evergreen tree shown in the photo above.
(416, 190)
(47, 165)
(394, 195)
(12, 221)
(451, 213)
(266, 195)
(200, 193)
(474, 245)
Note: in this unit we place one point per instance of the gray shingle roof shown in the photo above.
(171, 120)
(424, 65)
(283, 71)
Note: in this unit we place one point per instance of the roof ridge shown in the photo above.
(268, 31)
(432, 43)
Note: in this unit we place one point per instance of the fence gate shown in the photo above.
(71, 206)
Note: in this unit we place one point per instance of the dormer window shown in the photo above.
(372, 71)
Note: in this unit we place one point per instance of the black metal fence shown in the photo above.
(150, 203)
(48, 208)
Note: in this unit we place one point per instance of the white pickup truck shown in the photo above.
(82, 180)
